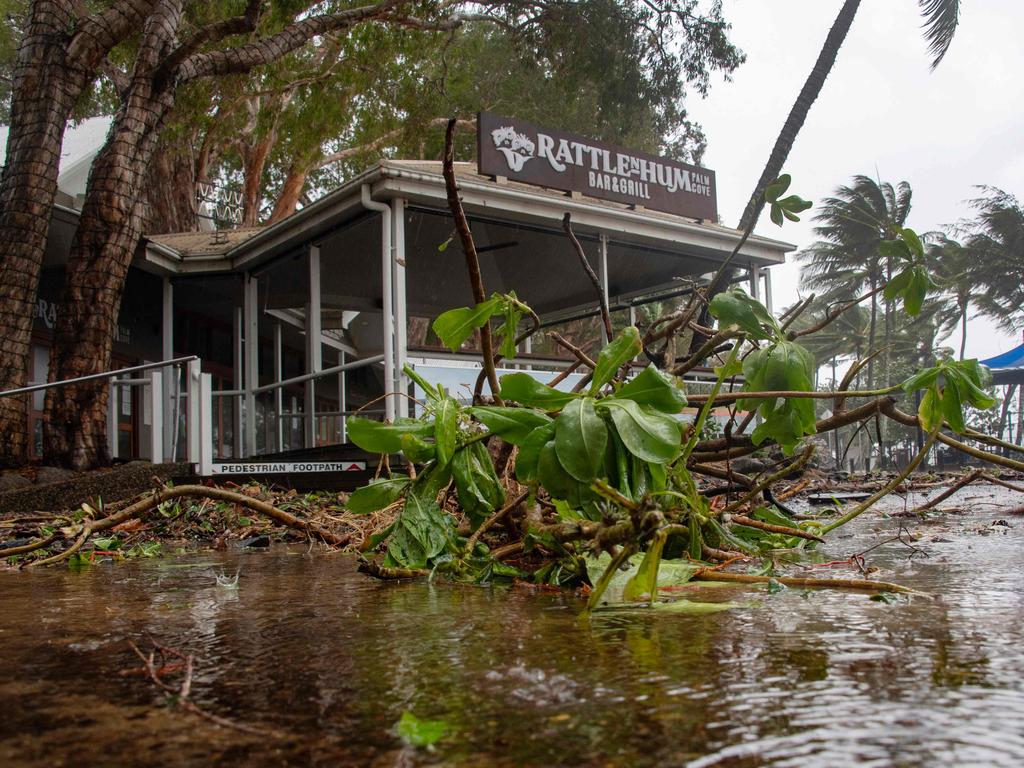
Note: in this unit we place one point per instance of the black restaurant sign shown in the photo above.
(523, 152)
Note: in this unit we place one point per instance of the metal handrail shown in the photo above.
(317, 374)
(96, 376)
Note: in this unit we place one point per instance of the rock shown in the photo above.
(47, 475)
(11, 480)
(256, 542)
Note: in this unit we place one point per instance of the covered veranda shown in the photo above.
(301, 323)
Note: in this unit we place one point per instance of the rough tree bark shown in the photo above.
(74, 430)
(58, 57)
(75, 424)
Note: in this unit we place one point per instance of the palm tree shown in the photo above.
(958, 271)
(996, 242)
(845, 261)
(940, 23)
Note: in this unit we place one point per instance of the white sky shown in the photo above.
(882, 113)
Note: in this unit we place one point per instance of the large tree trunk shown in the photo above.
(27, 191)
(59, 55)
(254, 162)
(291, 192)
(101, 252)
(171, 193)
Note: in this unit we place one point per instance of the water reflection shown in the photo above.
(306, 645)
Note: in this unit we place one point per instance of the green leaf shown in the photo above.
(420, 733)
(445, 428)
(646, 433)
(377, 494)
(529, 452)
(526, 390)
(425, 521)
(614, 356)
(929, 412)
(914, 244)
(580, 439)
(897, 285)
(645, 581)
(507, 330)
(513, 425)
(654, 388)
(479, 490)
(777, 187)
(456, 325)
(921, 379)
(896, 250)
(952, 405)
(556, 480)
(416, 450)
(378, 437)
(734, 308)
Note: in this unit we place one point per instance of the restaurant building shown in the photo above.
(297, 325)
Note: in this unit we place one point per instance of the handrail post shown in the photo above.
(112, 441)
(156, 417)
(204, 399)
(193, 411)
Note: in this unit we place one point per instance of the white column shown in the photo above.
(342, 399)
(755, 288)
(278, 430)
(157, 406)
(112, 440)
(202, 395)
(193, 411)
(603, 274)
(400, 306)
(169, 374)
(238, 372)
(768, 290)
(314, 355)
(252, 361)
(388, 320)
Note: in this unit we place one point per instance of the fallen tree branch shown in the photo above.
(605, 314)
(149, 503)
(707, 574)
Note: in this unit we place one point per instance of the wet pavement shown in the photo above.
(323, 661)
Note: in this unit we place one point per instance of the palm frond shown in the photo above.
(940, 22)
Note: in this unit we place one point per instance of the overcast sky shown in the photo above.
(882, 113)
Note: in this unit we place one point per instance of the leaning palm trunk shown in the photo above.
(801, 107)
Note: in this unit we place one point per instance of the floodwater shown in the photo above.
(323, 661)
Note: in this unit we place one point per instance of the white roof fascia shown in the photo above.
(499, 198)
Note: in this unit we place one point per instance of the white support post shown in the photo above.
(250, 305)
(238, 373)
(401, 318)
(157, 406)
(343, 398)
(768, 290)
(193, 412)
(603, 274)
(755, 279)
(169, 373)
(314, 354)
(278, 431)
(387, 299)
(112, 440)
(204, 401)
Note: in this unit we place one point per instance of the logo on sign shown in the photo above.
(516, 147)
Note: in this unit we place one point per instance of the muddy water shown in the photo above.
(306, 646)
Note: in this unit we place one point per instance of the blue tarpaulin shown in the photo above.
(1007, 368)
